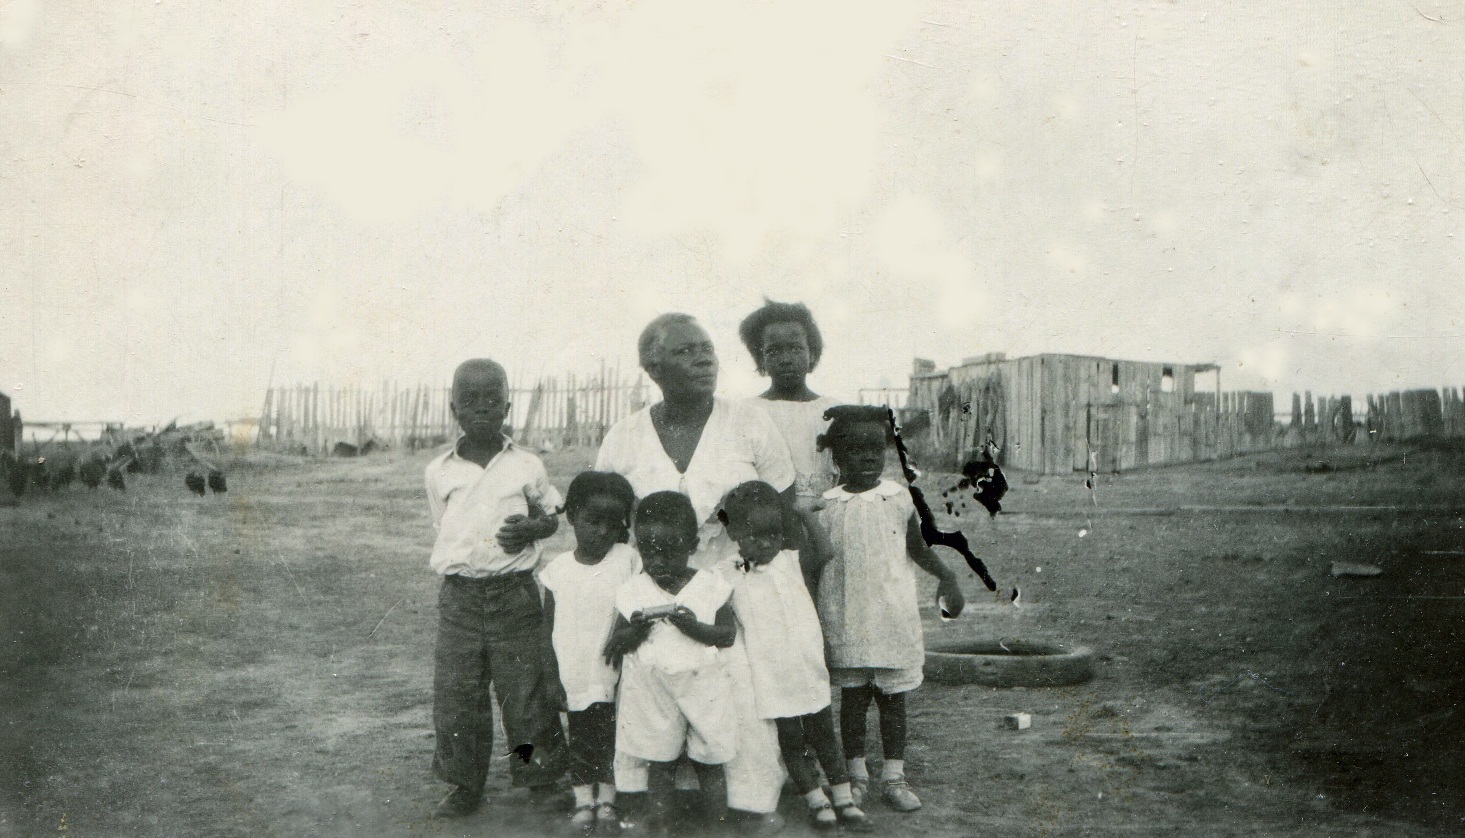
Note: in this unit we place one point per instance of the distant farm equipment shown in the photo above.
(57, 463)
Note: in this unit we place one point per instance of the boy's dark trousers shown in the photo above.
(489, 630)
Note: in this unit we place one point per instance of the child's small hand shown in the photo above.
(950, 591)
(683, 618)
(627, 639)
(518, 532)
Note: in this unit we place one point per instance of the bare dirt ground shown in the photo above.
(259, 663)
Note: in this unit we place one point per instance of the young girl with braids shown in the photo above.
(867, 594)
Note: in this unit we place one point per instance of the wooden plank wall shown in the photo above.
(1051, 404)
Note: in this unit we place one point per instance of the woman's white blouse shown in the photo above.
(739, 443)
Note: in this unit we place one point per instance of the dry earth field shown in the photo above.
(259, 663)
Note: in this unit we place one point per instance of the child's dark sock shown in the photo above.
(713, 781)
(659, 785)
(854, 705)
(892, 724)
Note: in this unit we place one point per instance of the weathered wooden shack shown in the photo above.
(1061, 413)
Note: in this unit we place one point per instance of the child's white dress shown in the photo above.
(674, 690)
(867, 591)
(781, 632)
(584, 614)
(801, 423)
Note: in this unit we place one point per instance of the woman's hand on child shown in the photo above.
(948, 590)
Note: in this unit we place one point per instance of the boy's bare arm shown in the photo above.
(926, 559)
(625, 638)
(721, 633)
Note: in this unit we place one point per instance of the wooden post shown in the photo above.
(264, 417)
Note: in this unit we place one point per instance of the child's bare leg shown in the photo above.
(819, 734)
(791, 743)
(896, 790)
(892, 725)
(854, 705)
(660, 781)
(713, 781)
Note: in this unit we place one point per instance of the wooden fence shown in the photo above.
(554, 412)
(1205, 426)
(566, 411)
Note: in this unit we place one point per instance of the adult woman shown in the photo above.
(786, 345)
(702, 446)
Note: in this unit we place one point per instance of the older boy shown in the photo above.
(488, 498)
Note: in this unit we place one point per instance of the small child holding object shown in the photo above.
(579, 612)
(785, 646)
(671, 621)
(867, 594)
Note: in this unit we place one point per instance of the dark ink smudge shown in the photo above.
(929, 533)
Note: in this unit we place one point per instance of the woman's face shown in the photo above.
(688, 363)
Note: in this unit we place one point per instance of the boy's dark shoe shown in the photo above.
(459, 803)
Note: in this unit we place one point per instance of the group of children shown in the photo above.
(629, 638)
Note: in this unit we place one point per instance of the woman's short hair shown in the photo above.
(648, 347)
(752, 327)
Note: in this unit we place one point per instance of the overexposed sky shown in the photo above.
(196, 197)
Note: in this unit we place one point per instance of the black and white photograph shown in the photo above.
(769, 417)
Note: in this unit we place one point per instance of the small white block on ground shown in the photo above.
(1356, 569)
(1017, 721)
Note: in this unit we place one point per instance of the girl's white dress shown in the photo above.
(739, 443)
(584, 613)
(867, 592)
(781, 630)
(801, 423)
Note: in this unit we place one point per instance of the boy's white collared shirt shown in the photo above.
(470, 503)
